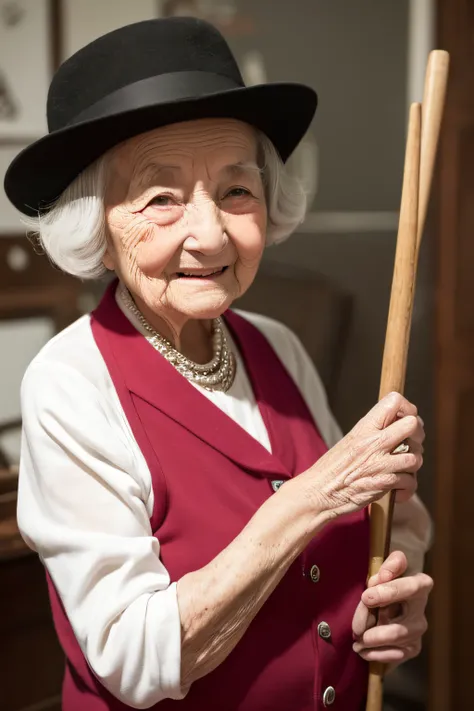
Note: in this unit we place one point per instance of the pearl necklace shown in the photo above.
(217, 374)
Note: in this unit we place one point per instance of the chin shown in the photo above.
(207, 308)
(204, 313)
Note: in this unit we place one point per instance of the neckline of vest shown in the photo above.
(159, 384)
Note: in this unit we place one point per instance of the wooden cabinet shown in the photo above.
(452, 613)
(31, 660)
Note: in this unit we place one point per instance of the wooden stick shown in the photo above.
(420, 157)
(432, 108)
(395, 352)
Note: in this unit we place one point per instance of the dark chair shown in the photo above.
(29, 288)
(316, 310)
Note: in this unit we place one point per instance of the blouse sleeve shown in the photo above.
(412, 525)
(82, 507)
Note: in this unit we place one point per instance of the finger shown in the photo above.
(400, 430)
(419, 435)
(363, 620)
(405, 485)
(389, 655)
(404, 495)
(407, 462)
(393, 567)
(397, 634)
(415, 447)
(392, 613)
(415, 442)
(399, 590)
(388, 409)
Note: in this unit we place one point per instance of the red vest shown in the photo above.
(209, 477)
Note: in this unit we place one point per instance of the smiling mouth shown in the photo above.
(201, 273)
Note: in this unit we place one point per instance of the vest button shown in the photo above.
(314, 574)
(329, 696)
(276, 483)
(324, 630)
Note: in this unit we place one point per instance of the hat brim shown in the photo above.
(42, 171)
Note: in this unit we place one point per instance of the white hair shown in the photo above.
(72, 232)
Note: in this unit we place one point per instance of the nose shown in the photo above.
(205, 228)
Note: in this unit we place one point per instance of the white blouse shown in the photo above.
(85, 499)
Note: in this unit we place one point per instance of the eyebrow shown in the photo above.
(154, 169)
(242, 167)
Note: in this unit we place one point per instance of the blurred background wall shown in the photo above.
(366, 60)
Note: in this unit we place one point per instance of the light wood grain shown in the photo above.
(422, 142)
(432, 109)
(395, 352)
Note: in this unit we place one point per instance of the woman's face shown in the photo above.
(186, 217)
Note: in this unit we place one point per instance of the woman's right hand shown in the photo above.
(361, 468)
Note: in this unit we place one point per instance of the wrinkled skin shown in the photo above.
(401, 621)
(181, 198)
(190, 198)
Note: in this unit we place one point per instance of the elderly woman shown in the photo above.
(202, 522)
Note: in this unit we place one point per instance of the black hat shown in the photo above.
(140, 77)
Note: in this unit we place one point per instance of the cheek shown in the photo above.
(140, 243)
(155, 251)
(248, 233)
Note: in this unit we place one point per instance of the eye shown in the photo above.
(163, 201)
(237, 192)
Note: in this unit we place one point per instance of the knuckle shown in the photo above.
(391, 480)
(411, 422)
(395, 397)
(385, 439)
(390, 591)
(413, 584)
(410, 486)
(423, 626)
(412, 461)
(402, 497)
(396, 400)
(407, 461)
(398, 481)
(396, 633)
(404, 405)
(411, 652)
(360, 444)
(426, 582)
(368, 446)
(406, 588)
(354, 443)
(354, 451)
(414, 410)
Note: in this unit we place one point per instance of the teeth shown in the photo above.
(202, 274)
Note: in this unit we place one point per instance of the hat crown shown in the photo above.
(140, 78)
(130, 54)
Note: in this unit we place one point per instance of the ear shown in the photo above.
(108, 260)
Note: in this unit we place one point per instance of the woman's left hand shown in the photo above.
(401, 623)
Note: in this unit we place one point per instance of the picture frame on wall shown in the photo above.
(10, 217)
(25, 32)
(27, 50)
